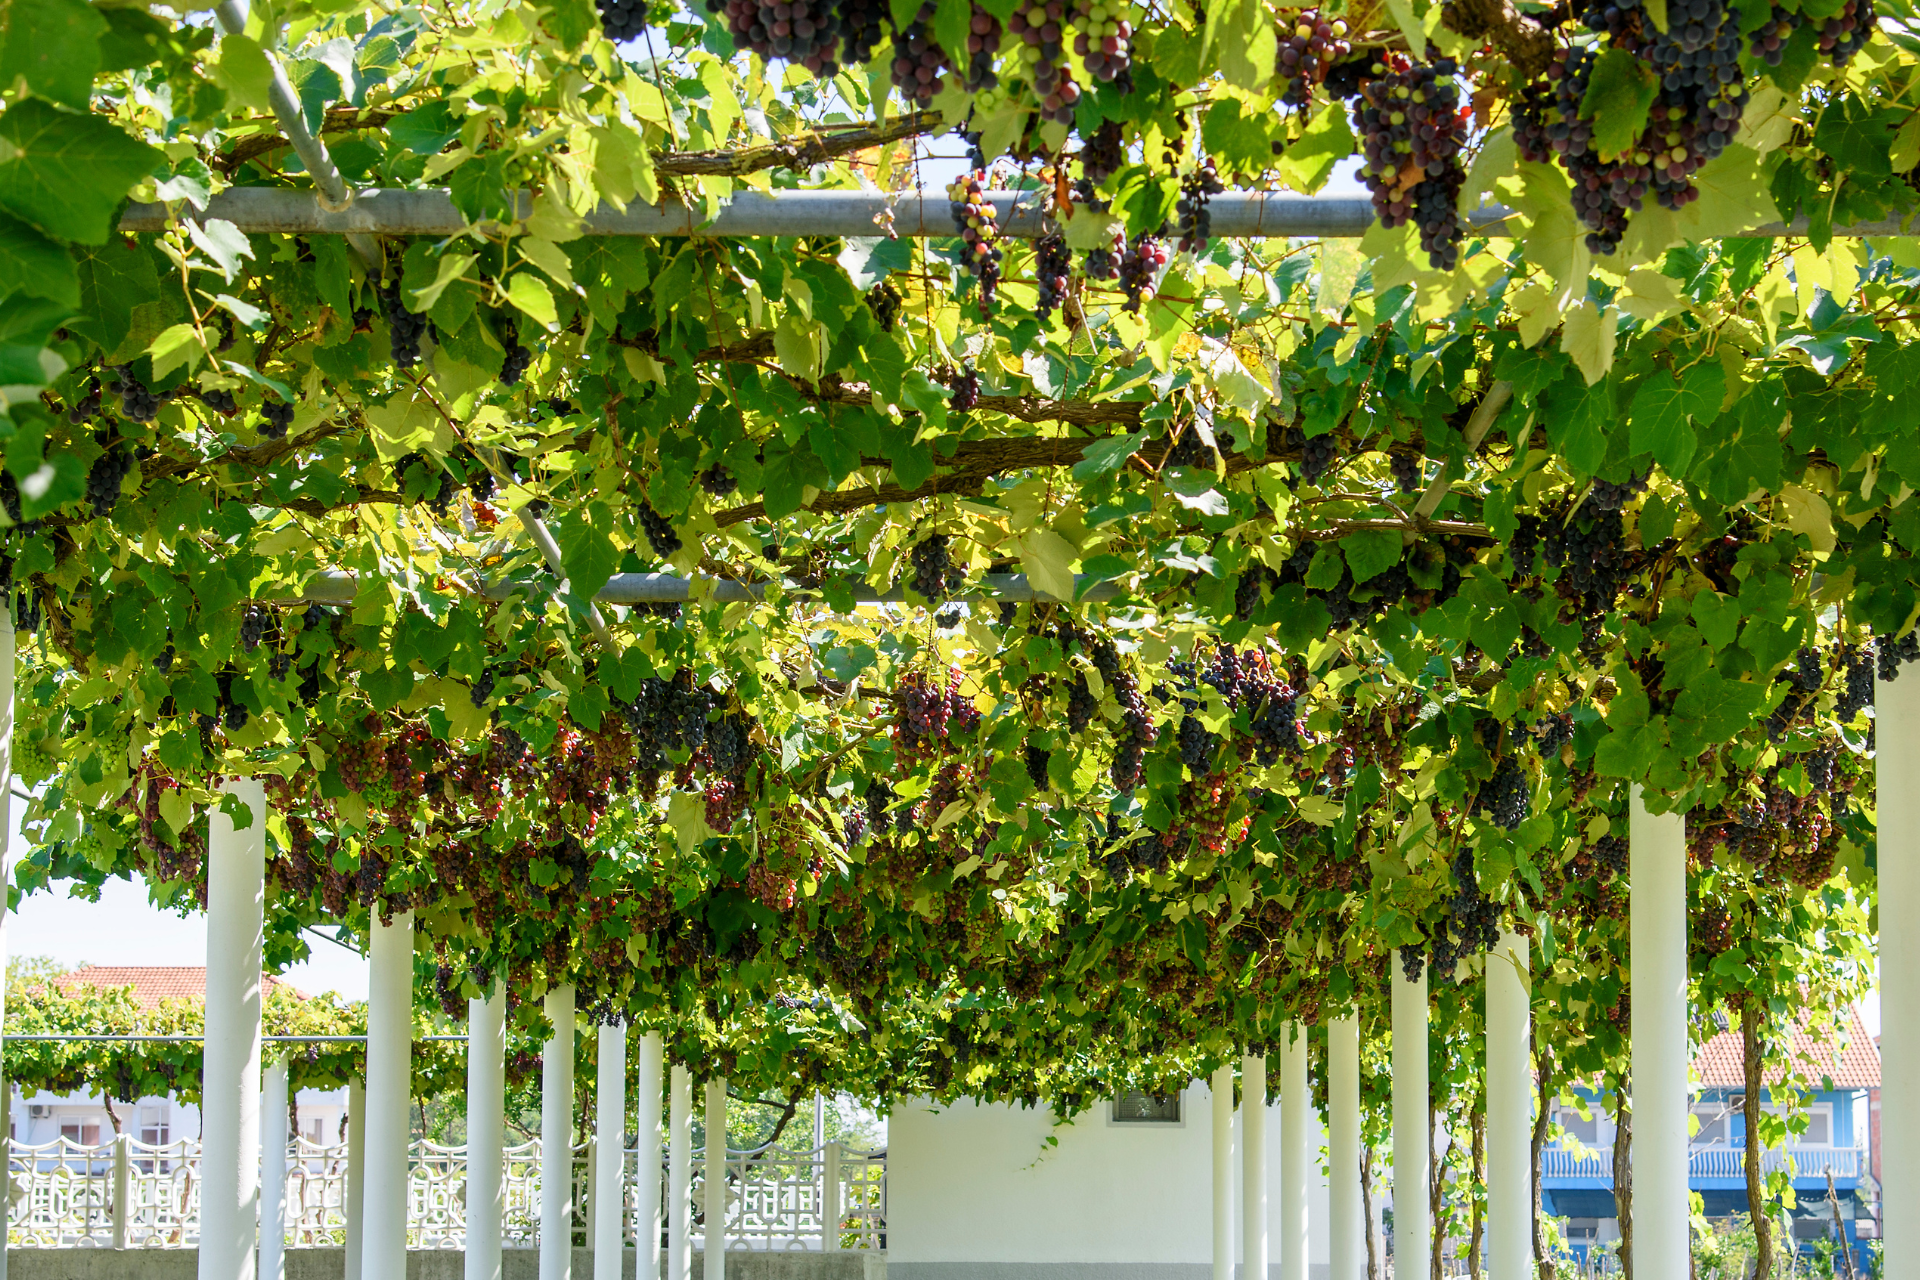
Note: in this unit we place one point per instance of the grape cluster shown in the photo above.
(1196, 191)
(1858, 693)
(965, 395)
(974, 218)
(1406, 470)
(1104, 41)
(276, 419)
(253, 627)
(930, 714)
(1037, 757)
(513, 366)
(1768, 41)
(935, 576)
(983, 44)
(1413, 127)
(1309, 45)
(623, 19)
(1896, 653)
(719, 481)
(1100, 264)
(1040, 27)
(104, 477)
(1102, 155)
(886, 303)
(802, 31)
(1847, 32)
(137, 403)
(1082, 706)
(919, 63)
(87, 405)
(1506, 799)
(861, 30)
(1474, 921)
(404, 328)
(221, 402)
(1590, 551)
(1140, 267)
(659, 530)
(1318, 454)
(1052, 260)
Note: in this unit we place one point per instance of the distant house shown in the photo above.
(82, 1118)
(1577, 1171)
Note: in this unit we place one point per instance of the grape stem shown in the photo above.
(1477, 427)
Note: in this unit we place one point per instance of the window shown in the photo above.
(86, 1133)
(1586, 1131)
(1146, 1108)
(1819, 1129)
(1713, 1126)
(153, 1126)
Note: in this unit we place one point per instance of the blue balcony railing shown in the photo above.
(1708, 1162)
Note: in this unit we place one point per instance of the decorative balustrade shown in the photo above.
(1708, 1162)
(131, 1194)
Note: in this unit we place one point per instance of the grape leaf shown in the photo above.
(1619, 97)
(54, 45)
(66, 174)
(33, 264)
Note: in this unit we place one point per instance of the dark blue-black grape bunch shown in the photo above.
(719, 481)
(1857, 694)
(1507, 798)
(1406, 471)
(1896, 653)
(1803, 679)
(623, 19)
(919, 63)
(221, 402)
(1473, 923)
(276, 419)
(803, 31)
(965, 396)
(404, 328)
(1052, 263)
(253, 627)
(660, 533)
(104, 478)
(886, 303)
(87, 405)
(513, 366)
(1037, 758)
(1197, 190)
(137, 403)
(935, 576)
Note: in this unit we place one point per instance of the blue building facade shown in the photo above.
(1577, 1168)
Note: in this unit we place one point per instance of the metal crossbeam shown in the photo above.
(922, 213)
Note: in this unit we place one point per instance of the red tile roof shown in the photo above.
(1857, 1066)
(151, 983)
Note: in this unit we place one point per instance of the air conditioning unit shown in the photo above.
(39, 1111)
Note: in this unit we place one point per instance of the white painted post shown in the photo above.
(1897, 785)
(830, 1197)
(6, 882)
(1657, 928)
(273, 1172)
(1509, 1111)
(356, 1206)
(646, 1173)
(1296, 1137)
(556, 1139)
(714, 1237)
(122, 1186)
(680, 1177)
(230, 1081)
(610, 1137)
(383, 1240)
(486, 1132)
(1348, 1228)
(1253, 1167)
(1221, 1083)
(1412, 1224)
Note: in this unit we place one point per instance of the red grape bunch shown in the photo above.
(1104, 41)
(983, 45)
(1040, 26)
(1140, 268)
(1309, 44)
(1102, 156)
(974, 218)
(919, 63)
(1413, 127)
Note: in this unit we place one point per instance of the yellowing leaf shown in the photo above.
(800, 346)
(1588, 339)
(1651, 295)
(687, 816)
(403, 425)
(642, 367)
(1048, 559)
(179, 345)
(547, 256)
(526, 292)
(1318, 810)
(1230, 378)
(1808, 513)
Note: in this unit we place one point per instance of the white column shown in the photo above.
(680, 1177)
(1347, 1230)
(383, 1241)
(1253, 1167)
(486, 1132)
(1509, 1111)
(1412, 1224)
(6, 882)
(609, 1152)
(230, 1083)
(273, 1172)
(356, 1175)
(1658, 955)
(646, 1198)
(1296, 1138)
(1221, 1085)
(714, 1237)
(556, 1140)
(1897, 771)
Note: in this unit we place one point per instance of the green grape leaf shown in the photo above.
(1619, 99)
(36, 265)
(54, 45)
(66, 174)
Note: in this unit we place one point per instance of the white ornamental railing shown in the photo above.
(1709, 1162)
(129, 1194)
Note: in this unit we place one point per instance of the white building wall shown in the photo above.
(38, 1119)
(975, 1193)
